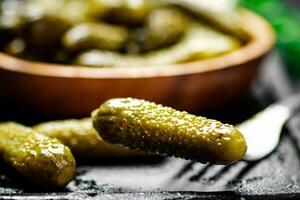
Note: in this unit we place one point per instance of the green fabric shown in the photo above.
(286, 23)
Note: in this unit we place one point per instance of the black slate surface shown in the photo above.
(275, 177)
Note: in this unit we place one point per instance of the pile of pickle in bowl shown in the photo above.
(109, 33)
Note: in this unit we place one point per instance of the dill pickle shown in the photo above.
(95, 36)
(42, 160)
(163, 27)
(44, 31)
(154, 128)
(44, 22)
(81, 137)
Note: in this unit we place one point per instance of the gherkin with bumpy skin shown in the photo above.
(147, 126)
(42, 160)
(83, 140)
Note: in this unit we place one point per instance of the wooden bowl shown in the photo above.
(74, 91)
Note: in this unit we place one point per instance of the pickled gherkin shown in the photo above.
(147, 126)
(42, 22)
(38, 26)
(163, 27)
(95, 36)
(82, 138)
(42, 160)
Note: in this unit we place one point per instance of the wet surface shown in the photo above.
(155, 177)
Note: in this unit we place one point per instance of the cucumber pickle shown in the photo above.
(150, 127)
(42, 160)
(83, 140)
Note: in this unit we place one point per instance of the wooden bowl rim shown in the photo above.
(262, 38)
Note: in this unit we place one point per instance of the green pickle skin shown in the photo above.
(95, 36)
(42, 160)
(150, 127)
(83, 140)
